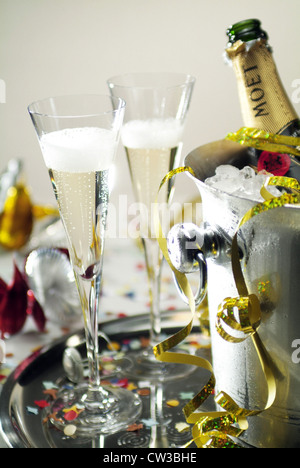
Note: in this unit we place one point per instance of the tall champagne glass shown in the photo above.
(156, 109)
(78, 136)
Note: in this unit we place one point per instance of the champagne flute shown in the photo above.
(78, 136)
(156, 109)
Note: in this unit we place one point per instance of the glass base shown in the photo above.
(143, 365)
(80, 411)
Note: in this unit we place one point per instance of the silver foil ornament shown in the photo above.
(51, 278)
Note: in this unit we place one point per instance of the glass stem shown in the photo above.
(154, 259)
(89, 292)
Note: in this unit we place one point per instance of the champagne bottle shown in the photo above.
(264, 102)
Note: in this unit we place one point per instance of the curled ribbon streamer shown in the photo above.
(262, 140)
(214, 429)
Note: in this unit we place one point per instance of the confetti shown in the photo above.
(186, 395)
(126, 341)
(144, 391)
(130, 294)
(41, 403)
(114, 346)
(51, 392)
(131, 386)
(52, 416)
(106, 382)
(5, 372)
(71, 415)
(182, 427)
(134, 427)
(195, 344)
(122, 315)
(49, 385)
(72, 412)
(145, 342)
(135, 344)
(107, 359)
(150, 422)
(72, 408)
(31, 410)
(173, 403)
(70, 430)
(109, 368)
(123, 383)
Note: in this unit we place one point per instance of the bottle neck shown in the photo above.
(264, 102)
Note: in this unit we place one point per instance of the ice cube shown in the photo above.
(250, 188)
(227, 171)
(247, 172)
(228, 185)
(211, 181)
(243, 183)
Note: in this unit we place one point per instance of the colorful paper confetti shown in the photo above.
(150, 422)
(134, 427)
(70, 430)
(49, 385)
(182, 427)
(41, 403)
(32, 410)
(173, 403)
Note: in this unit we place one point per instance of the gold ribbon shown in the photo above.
(261, 140)
(214, 429)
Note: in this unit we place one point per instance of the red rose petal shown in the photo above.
(16, 301)
(34, 309)
(275, 163)
(13, 305)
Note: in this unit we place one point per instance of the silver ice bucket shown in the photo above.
(269, 246)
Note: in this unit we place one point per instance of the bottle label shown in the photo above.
(275, 163)
(264, 102)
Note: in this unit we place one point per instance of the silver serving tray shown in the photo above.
(21, 429)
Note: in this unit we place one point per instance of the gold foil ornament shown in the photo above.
(17, 217)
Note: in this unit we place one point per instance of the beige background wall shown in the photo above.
(53, 47)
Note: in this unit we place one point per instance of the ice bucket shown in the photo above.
(269, 247)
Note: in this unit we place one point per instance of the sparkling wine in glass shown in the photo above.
(152, 134)
(78, 136)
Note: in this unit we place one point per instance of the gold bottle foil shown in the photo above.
(264, 102)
